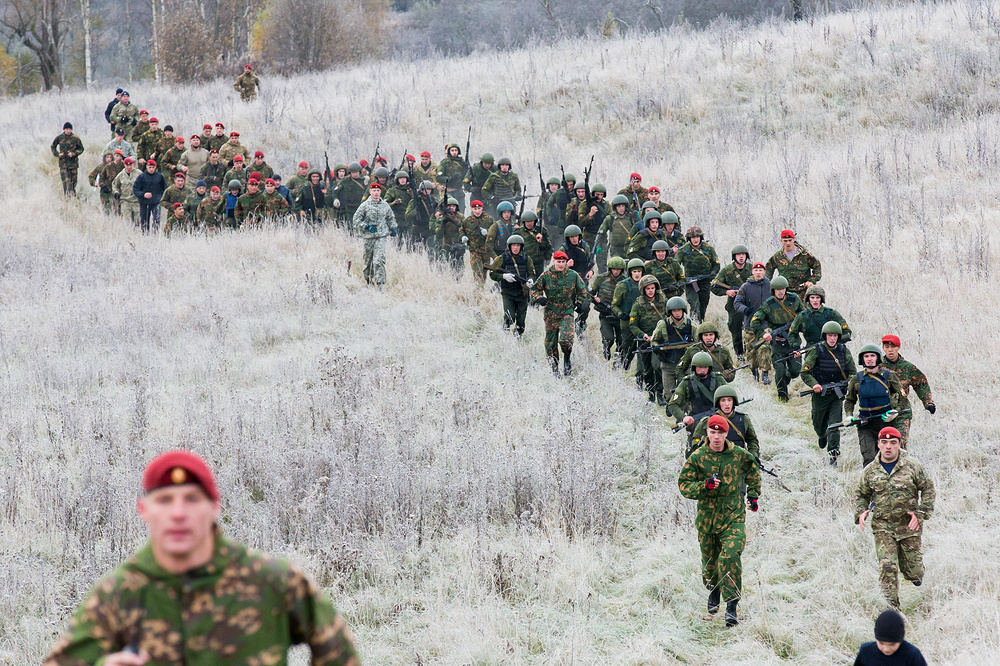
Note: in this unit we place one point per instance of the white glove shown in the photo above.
(509, 277)
(531, 283)
(483, 231)
(336, 203)
(465, 239)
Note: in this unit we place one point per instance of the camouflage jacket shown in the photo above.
(720, 508)
(70, 146)
(374, 219)
(691, 388)
(617, 227)
(216, 142)
(476, 228)
(478, 175)
(701, 260)
(420, 211)
(210, 213)
(297, 181)
(246, 84)
(215, 174)
(167, 163)
(591, 225)
(722, 359)
(192, 202)
(810, 322)
(562, 289)
(728, 278)
(173, 195)
(250, 208)
(175, 222)
(502, 187)
(241, 175)
(241, 608)
(801, 269)
(741, 432)
(122, 185)
(228, 151)
(149, 144)
(140, 128)
(647, 312)
(263, 169)
(351, 193)
(421, 174)
(449, 229)
(641, 245)
(125, 116)
(108, 174)
(909, 377)
(398, 199)
(642, 194)
(451, 173)
(892, 496)
(603, 286)
(774, 313)
(668, 273)
(275, 204)
(95, 173)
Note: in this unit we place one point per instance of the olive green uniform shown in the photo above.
(733, 277)
(868, 430)
(822, 364)
(802, 268)
(603, 286)
(771, 315)
(125, 117)
(722, 359)
(678, 336)
(476, 229)
(668, 272)
(70, 147)
(476, 178)
(645, 315)
(701, 260)
(246, 85)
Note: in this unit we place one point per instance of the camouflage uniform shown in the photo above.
(242, 608)
(746, 304)
(398, 197)
(891, 496)
(108, 174)
(721, 515)
(172, 195)
(419, 213)
(177, 221)
(617, 227)
(810, 322)
(192, 201)
(626, 293)
(701, 260)
(476, 178)
(641, 245)
(475, 229)
(449, 239)
(240, 174)
(215, 175)
(246, 85)
(169, 160)
(603, 286)
(540, 252)
(722, 358)
(591, 225)
(140, 128)
(909, 377)
(555, 212)
(374, 222)
(801, 269)
(728, 278)
(668, 272)
(822, 364)
(771, 315)
(71, 147)
(501, 187)
(451, 173)
(275, 205)
(217, 142)
(149, 145)
(421, 173)
(211, 214)
(125, 117)
(249, 209)
(678, 335)
(694, 395)
(229, 150)
(641, 193)
(646, 313)
(263, 169)
(872, 405)
(565, 291)
(122, 186)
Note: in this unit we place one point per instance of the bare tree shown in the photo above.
(88, 63)
(38, 24)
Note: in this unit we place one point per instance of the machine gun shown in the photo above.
(781, 485)
(691, 280)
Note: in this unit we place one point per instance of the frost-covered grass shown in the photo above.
(460, 503)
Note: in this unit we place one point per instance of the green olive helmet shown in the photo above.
(570, 178)
(616, 263)
(599, 188)
(677, 303)
(529, 216)
(453, 145)
(670, 217)
(505, 205)
(739, 249)
(380, 172)
(832, 328)
(427, 185)
(504, 160)
(652, 214)
(647, 204)
(634, 264)
(779, 282)
(816, 290)
(514, 238)
(869, 349)
(726, 391)
(235, 185)
(619, 200)
(487, 158)
(572, 230)
(400, 175)
(452, 201)
(707, 327)
(648, 280)
(661, 245)
(553, 181)
(354, 167)
(702, 360)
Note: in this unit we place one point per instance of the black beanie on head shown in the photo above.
(889, 627)
(67, 125)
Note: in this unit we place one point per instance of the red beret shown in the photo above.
(304, 164)
(253, 181)
(270, 181)
(892, 340)
(118, 151)
(180, 174)
(179, 139)
(206, 126)
(889, 432)
(176, 468)
(129, 160)
(213, 150)
(153, 120)
(411, 158)
(476, 202)
(178, 205)
(234, 133)
(238, 158)
(381, 160)
(759, 264)
(363, 163)
(259, 153)
(220, 125)
(426, 153)
(788, 233)
(560, 255)
(716, 422)
(654, 188)
(247, 66)
(148, 162)
(196, 136)
(215, 188)
(144, 111)
(375, 186)
(634, 176)
(256, 176)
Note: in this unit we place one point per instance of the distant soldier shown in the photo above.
(177, 220)
(260, 166)
(121, 191)
(647, 311)
(505, 225)
(94, 178)
(211, 211)
(557, 204)
(602, 287)
(449, 235)
(536, 241)
(635, 193)
(419, 213)
(232, 148)
(709, 342)
(899, 495)
(727, 283)
(625, 296)
(108, 174)
(695, 393)
(426, 170)
(771, 323)
(148, 188)
(214, 171)
(671, 232)
(794, 263)
(230, 199)
(909, 377)
(816, 314)
(513, 270)
(381, 176)
(662, 206)
(141, 127)
(110, 108)
(67, 147)
(824, 364)
(247, 84)
(674, 335)
(477, 176)
(715, 476)
(590, 218)
(193, 160)
(573, 207)
(251, 207)
(698, 259)
(475, 227)
(741, 432)
(125, 116)
(374, 222)
(580, 261)
(617, 225)
(119, 143)
(238, 172)
(451, 175)
(192, 591)
(877, 392)
(167, 141)
(560, 290)
(398, 197)
(300, 178)
(749, 297)
(206, 136)
(149, 143)
(177, 193)
(194, 199)
(219, 138)
(169, 159)
(349, 193)
(502, 185)
(641, 245)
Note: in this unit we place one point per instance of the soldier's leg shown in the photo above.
(911, 560)
(886, 550)
(692, 297)
(378, 261)
(868, 442)
(711, 547)
(552, 340)
(581, 318)
(476, 261)
(106, 202)
(781, 375)
(736, 332)
(834, 414)
(704, 294)
(628, 346)
(819, 418)
(520, 312)
(794, 366)
(656, 381)
(732, 541)
(903, 425)
(607, 337)
(510, 312)
(668, 378)
(566, 333)
(130, 211)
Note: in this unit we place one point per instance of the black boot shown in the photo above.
(554, 363)
(713, 601)
(659, 399)
(756, 374)
(822, 444)
(567, 364)
(764, 379)
(834, 455)
(731, 620)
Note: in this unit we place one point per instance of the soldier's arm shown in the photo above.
(313, 620)
(895, 390)
(685, 362)
(752, 473)
(531, 265)
(808, 363)
(769, 268)
(753, 444)
(852, 395)
(618, 297)
(537, 290)
(849, 367)
(633, 320)
(918, 382)
(89, 637)
(715, 265)
(495, 268)
(759, 321)
(720, 284)
(862, 497)
(925, 509)
(488, 186)
(817, 269)
(691, 481)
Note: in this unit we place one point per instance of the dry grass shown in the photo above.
(460, 503)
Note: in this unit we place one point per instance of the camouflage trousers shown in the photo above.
(721, 565)
(106, 201)
(760, 358)
(827, 409)
(894, 554)
(558, 333)
(130, 211)
(903, 426)
(374, 261)
(68, 174)
(478, 262)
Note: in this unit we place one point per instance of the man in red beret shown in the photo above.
(232, 148)
(713, 475)
(238, 606)
(247, 84)
(251, 208)
(300, 178)
(899, 495)
(635, 193)
(909, 377)
(219, 138)
(426, 170)
(560, 291)
(794, 263)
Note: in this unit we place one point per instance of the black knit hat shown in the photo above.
(889, 627)
(67, 125)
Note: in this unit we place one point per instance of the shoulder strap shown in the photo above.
(839, 366)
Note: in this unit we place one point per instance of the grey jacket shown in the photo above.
(750, 297)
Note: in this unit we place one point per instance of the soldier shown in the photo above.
(141, 127)
(398, 197)
(125, 116)
(426, 170)
(774, 313)
(536, 241)
(374, 222)
(177, 220)
(546, 204)
(229, 150)
(695, 393)
(211, 211)
(662, 206)
(238, 172)
(451, 173)
(909, 377)
(169, 159)
(110, 107)
(176, 193)
(635, 193)
(148, 188)
(275, 206)
(876, 391)
(68, 147)
(626, 294)
(219, 139)
(727, 283)
(560, 290)
(741, 432)
(149, 143)
(647, 311)
(641, 245)
(899, 495)
(94, 178)
(506, 224)
(300, 178)
(121, 190)
(795, 264)
(119, 143)
(247, 84)
(671, 234)
(557, 205)
(573, 207)
(581, 261)
(602, 287)
(811, 320)
(349, 193)
(262, 167)
(167, 142)
(749, 297)
(666, 270)
(475, 227)
(381, 176)
(192, 591)
(193, 160)
(708, 342)
(502, 185)
(419, 213)
(617, 226)
(449, 236)
(232, 197)
(828, 363)
(214, 171)
(714, 475)
(477, 176)
(513, 270)
(282, 190)
(206, 137)
(250, 207)
(699, 260)
(676, 334)
(108, 174)
(590, 218)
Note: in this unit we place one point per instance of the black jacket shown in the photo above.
(154, 183)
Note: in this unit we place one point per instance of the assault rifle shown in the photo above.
(666, 347)
(586, 184)
(797, 353)
(691, 280)
(541, 181)
(890, 415)
(374, 162)
(468, 164)
(708, 412)
(602, 307)
(781, 485)
(520, 212)
(402, 163)
(836, 387)
(327, 174)
(638, 209)
(776, 334)
(565, 185)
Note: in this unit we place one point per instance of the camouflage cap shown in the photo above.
(648, 280)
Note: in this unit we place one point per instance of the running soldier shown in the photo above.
(909, 377)
(699, 260)
(247, 84)
(727, 283)
(512, 270)
(795, 264)
(776, 316)
(877, 392)
(374, 222)
(602, 288)
(750, 296)
(826, 369)
(560, 290)
(68, 147)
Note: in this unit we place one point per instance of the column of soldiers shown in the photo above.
(626, 257)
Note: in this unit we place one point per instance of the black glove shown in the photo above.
(752, 501)
(579, 308)
(712, 482)
(931, 408)
(623, 317)
(542, 301)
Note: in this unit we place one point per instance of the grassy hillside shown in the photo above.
(461, 505)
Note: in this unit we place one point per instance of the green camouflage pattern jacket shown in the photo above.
(680, 401)
(230, 150)
(70, 146)
(476, 228)
(563, 289)
(477, 177)
(701, 260)
(646, 312)
(241, 175)
(211, 214)
(810, 322)
(173, 195)
(728, 278)
(722, 507)
(503, 187)
(617, 227)
(722, 359)
(451, 173)
(241, 608)
(909, 376)
(773, 314)
(250, 208)
(801, 269)
(125, 116)
(668, 272)
(149, 144)
(603, 286)
(892, 496)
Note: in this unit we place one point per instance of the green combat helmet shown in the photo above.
(529, 216)
(701, 360)
(505, 205)
(504, 160)
(726, 391)
(867, 349)
(600, 188)
(573, 230)
(427, 185)
(708, 327)
(677, 303)
(553, 181)
(514, 238)
(652, 214)
(739, 249)
(487, 158)
(647, 204)
(354, 168)
(670, 217)
(453, 145)
(634, 264)
(452, 201)
(832, 328)
(779, 283)
(401, 175)
(661, 245)
(619, 200)
(380, 172)
(816, 290)
(616, 263)
(235, 185)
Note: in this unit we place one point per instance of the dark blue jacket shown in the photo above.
(154, 183)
